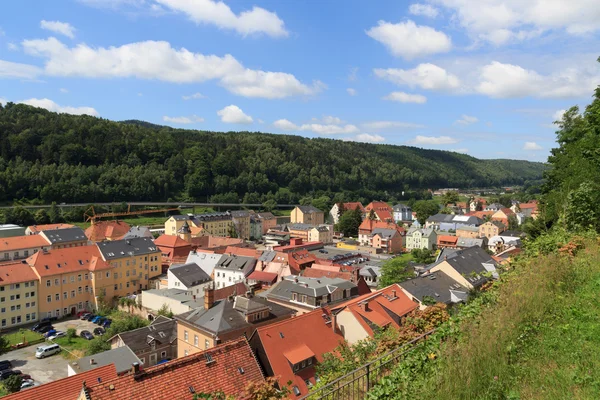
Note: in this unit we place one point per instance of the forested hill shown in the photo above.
(61, 157)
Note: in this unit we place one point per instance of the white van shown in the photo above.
(45, 351)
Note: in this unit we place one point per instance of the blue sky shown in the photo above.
(441, 74)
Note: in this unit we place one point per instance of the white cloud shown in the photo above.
(62, 28)
(502, 21)
(507, 81)
(234, 115)
(255, 21)
(426, 76)
(329, 126)
(260, 121)
(193, 96)
(351, 91)
(409, 40)
(16, 70)
(63, 90)
(285, 125)
(389, 125)
(403, 97)
(532, 146)
(366, 137)
(329, 119)
(425, 10)
(12, 47)
(353, 75)
(433, 140)
(183, 120)
(160, 61)
(461, 150)
(466, 120)
(558, 115)
(52, 106)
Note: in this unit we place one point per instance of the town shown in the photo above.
(116, 310)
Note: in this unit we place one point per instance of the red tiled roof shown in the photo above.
(223, 293)
(263, 276)
(216, 241)
(16, 272)
(379, 306)
(171, 241)
(12, 243)
(352, 206)
(528, 205)
(70, 259)
(243, 251)
(330, 268)
(321, 273)
(299, 354)
(175, 379)
(66, 388)
(309, 330)
(447, 239)
(480, 214)
(107, 230)
(368, 225)
(38, 228)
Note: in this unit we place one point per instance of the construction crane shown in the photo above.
(91, 216)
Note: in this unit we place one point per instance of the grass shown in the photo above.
(141, 221)
(76, 347)
(17, 337)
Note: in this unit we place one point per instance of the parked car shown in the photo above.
(82, 315)
(163, 361)
(49, 319)
(86, 335)
(56, 335)
(107, 322)
(27, 384)
(50, 333)
(45, 329)
(40, 325)
(45, 351)
(100, 321)
(5, 364)
(88, 317)
(96, 318)
(99, 331)
(9, 372)
(25, 377)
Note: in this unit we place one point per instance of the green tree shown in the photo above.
(4, 344)
(97, 345)
(425, 209)
(450, 197)
(165, 311)
(71, 334)
(21, 216)
(513, 222)
(323, 203)
(269, 205)
(42, 217)
(372, 216)
(395, 270)
(349, 222)
(55, 214)
(582, 209)
(424, 256)
(13, 383)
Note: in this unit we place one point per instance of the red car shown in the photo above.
(80, 313)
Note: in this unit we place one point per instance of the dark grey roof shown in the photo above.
(494, 207)
(386, 233)
(309, 209)
(300, 227)
(222, 317)
(185, 228)
(65, 235)
(213, 216)
(401, 207)
(513, 233)
(121, 248)
(236, 263)
(370, 270)
(265, 215)
(180, 217)
(322, 228)
(122, 357)
(183, 296)
(190, 274)
(138, 231)
(312, 287)
(469, 242)
(162, 330)
(436, 285)
(267, 256)
(469, 263)
(240, 214)
(440, 218)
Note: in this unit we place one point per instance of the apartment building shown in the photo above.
(18, 295)
(20, 247)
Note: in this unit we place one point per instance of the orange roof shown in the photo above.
(447, 239)
(107, 230)
(38, 228)
(69, 259)
(233, 365)
(12, 243)
(307, 335)
(528, 205)
(353, 205)
(330, 268)
(369, 225)
(376, 307)
(263, 276)
(321, 273)
(480, 214)
(171, 241)
(16, 272)
(216, 241)
(243, 251)
(66, 388)
(299, 354)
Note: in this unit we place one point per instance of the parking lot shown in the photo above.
(47, 369)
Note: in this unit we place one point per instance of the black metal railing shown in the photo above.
(356, 384)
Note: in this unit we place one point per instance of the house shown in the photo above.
(262, 278)
(215, 244)
(35, 229)
(451, 222)
(276, 237)
(353, 277)
(502, 215)
(9, 230)
(367, 226)
(529, 209)
(466, 231)
(306, 294)
(121, 357)
(366, 315)
(383, 211)
(67, 237)
(178, 301)
(268, 221)
(206, 261)
(339, 208)
(152, 343)
(390, 241)
(227, 368)
(491, 228)
(301, 259)
(402, 213)
(299, 231)
(498, 244)
(241, 222)
(290, 349)
(66, 388)
(371, 275)
(137, 262)
(172, 248)
(477, 204)
(437, 287)
(188, 277)
(307, 215)
(493, 207)
(214, 223)
(468, 267)
(226, 319)
(19, 295)
(444, 241)
(256, 230)
(107, 230)
(231, 269)
(138, 231)
(321, 233)
(465, 242)
(421, 239)
(296, 244)
(20, 247)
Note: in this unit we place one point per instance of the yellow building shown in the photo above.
(19, 247)
(18, 295)
(307, 215)
(213, 224)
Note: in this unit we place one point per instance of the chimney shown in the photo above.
(135, 368)
(209, 297)
(366, 306)
(394, 293)
(333, 322)
(92, 362)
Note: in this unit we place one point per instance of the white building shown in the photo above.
(206, 261)
(232, 269)
(188, 277)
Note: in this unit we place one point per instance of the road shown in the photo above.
(151, 204)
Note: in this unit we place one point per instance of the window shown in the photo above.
(13, 320)
(116, 287)
(16, 256)
(27, 317)
(296, 367)
(3, 320)
(85, 276)
(309, 361)
(72, 293)
(64, 280)
(12, 308)
(49, 299)
(27, 305)
(163, 354)
(206, 344)
(185, 335)
(185, 352)
(3, 309)
(304, 298)
(33, 316)
(1, 288)
(108, 274)
(33, 304)
(127, 273)
(32, 294)
(195, 340)
(57, 296)
(26, 284)
(12, 297)
(79, 290)
(27, 295)
(6, 257)
(79, 277)
(87, 288)
(80, 305)
(18, 286)
(48, 283)
(65, 295)
(56, 282)
(2, 299)
(72, 278)
(295, 296)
